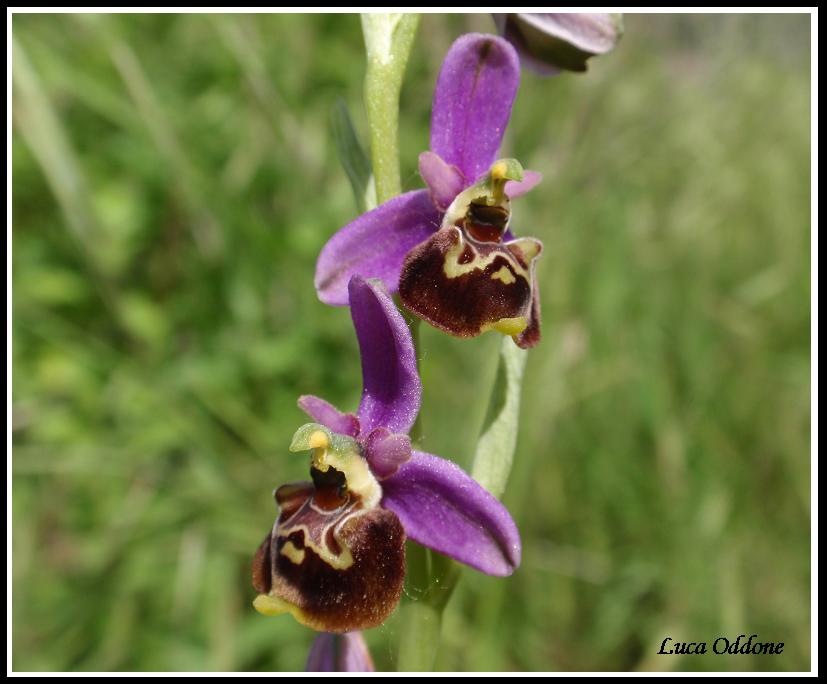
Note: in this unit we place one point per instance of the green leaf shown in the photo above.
(498, 438)
(352, 155)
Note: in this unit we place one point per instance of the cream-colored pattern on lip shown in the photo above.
(505, 275)
(290, 551)
(530, 247)
(343, 560)
(329, 450)
(507, 326)
(267, 604)
(453, 269)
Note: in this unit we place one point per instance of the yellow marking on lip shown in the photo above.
(530, 247)
(452, 268)
(505, 275)
(507, 326)
(341, 562)
(272, 605)
(295, 555)
(269, 605)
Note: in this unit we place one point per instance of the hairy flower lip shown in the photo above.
(480, 286)
(468, 278)
(422, 496)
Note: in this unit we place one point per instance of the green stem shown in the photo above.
(421, 623)
(420, 634)
(388, 40)
(429, 582)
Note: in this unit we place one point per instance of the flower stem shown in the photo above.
(421, 630)
(388, 41)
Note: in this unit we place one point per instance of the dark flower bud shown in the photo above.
(550, 43)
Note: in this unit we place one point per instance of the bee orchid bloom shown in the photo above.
(335, 557)
(448, 250)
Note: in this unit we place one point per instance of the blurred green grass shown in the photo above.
(174, 180)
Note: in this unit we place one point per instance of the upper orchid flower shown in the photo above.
(447, 250)
(550, 43)
(335, 558)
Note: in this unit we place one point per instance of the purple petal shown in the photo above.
(391, 390)
(374, 245)
(443, 508)
(444, 180)
(386, 451)
(472, 102)
(339, 653)
(329, 416)
(516, 188)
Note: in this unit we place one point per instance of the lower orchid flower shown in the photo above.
(447, 250)
(335, 557)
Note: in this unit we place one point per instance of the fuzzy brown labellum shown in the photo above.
(334, 559)
(465, 280)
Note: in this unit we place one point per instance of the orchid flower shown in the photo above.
(550, 43)
(447, 250)
(335, 557)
